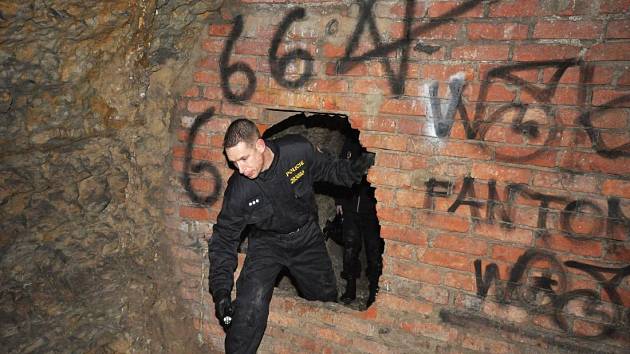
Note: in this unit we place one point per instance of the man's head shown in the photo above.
(244, 147)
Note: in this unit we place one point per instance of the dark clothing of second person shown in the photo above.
(280, 204)
(360, 223)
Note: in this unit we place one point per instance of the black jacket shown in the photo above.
(279, 200)
(360, 197)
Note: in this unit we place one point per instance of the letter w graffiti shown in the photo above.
(484, 282)
(443, 122)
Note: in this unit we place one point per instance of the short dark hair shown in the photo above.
(241, 130)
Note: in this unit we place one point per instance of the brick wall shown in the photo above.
(502, 139)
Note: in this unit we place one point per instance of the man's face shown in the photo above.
(247, 157)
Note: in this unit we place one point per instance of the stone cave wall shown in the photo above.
(87, 90)
(501, 131)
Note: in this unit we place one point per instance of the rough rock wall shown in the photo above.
(86, 93)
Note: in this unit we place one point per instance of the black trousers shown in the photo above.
(358, 229)
(305, 255)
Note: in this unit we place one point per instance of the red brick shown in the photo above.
(517, 8)
(489, 171)
(568, 29)
(387, 159)
(497, 232)
(526, 156)
(448, 260)
(399, 250)
(199, 106)
(400, 304)
(464, 150)
(409, 107)
(201, 214)
(615, 187)
(387, 142)
(562, 243)
(206, 77)
(384, 195)
(460, 244)
(442, 221)
(213, 45)
(370, 86)
(602, 97)
(618, 29)
(328, 85)
(443, 32)
(411, 162)
(382, 124)
(410, 126)
(614, 6)
(609, 51)
(544, 52)
(404, 234)
(415, 271)
(409, 198)
(333, 51)
(507, 253)
(222, 30)
(566, 181)
(442, 72)
(463, 281)
(496, 31)
(481, 52)
(431, 330)
(251, 47)
(395, 215)
(486, 345)
(591, 162)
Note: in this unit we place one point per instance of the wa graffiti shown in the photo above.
(478, 126)
(538, 282)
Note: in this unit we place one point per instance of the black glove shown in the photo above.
(361, 165)
(223, 307)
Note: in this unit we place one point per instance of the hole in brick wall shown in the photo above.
(333, 135)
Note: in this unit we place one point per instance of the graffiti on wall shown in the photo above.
(539, 282)
(193, 168)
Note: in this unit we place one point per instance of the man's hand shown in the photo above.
(339, 210)
(223, 308)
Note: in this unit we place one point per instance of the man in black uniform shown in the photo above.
(273, 192)
(357, 205)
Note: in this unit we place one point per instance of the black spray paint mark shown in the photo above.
(598, 143)
(533, 296)
(445, 190)
(228, 70)
(608, 323)
(443, 122)
(485, 281)
(397, 82)
(381, 51)
(617, 224)
(426, 48)
(573, 210)
(466, 196)
(190, 167)
(279, 65)
(546, 293)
